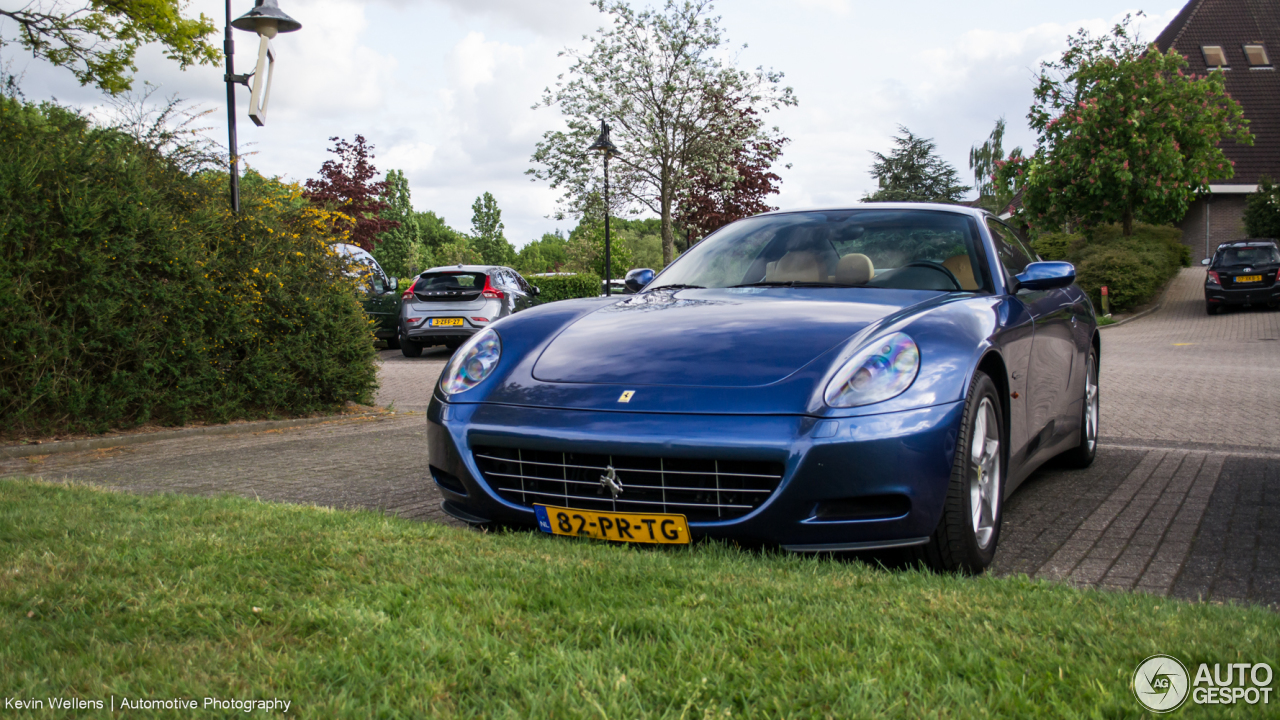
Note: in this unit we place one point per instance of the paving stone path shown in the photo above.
(1183, 500)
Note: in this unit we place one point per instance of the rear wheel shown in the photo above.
(1082, 455)
(408, 347)
(1211, 309)
(966, 536)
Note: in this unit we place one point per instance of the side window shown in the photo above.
(522, 283)
(1014, 256)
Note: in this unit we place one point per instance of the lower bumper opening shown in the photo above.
(448, 481)
(866, 507)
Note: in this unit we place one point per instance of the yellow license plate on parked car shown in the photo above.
(1248, 278)
(659, 528)
(445, 322)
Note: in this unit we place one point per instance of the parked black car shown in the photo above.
(1242, 273)
(378, 294)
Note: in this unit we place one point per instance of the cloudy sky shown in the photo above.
(444, 89)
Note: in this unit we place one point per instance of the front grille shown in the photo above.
(701, 490)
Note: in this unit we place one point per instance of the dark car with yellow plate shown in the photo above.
(1242, 273)
(447, 305)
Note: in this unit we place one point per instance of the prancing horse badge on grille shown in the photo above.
(611, 483)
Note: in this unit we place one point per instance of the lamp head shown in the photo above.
(267, 19)
(603, 144)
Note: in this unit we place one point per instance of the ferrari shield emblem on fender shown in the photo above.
(611, 483)
(626, 396)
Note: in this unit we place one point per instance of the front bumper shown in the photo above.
(1243, 296)
(906, 454)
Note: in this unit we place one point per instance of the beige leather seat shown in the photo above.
(960, 266)
(855, 269)
(797, 266)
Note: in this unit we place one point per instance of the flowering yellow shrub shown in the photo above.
(134, 294)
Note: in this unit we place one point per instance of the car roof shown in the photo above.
(465, 268)
(1247, 243)
(944, 207)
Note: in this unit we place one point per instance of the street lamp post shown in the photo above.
(267, 20)
(607, 149)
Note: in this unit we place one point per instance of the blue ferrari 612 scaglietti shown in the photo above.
(875, 376)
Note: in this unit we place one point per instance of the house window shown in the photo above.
(1257, 55)
(1214, 56)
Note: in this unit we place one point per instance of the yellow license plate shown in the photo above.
(659, 528)
(1248, 278)
(445, 322)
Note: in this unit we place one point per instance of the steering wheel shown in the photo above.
(936, 266)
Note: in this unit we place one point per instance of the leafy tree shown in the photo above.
(913, 172)
(994, 194)
(347, 185)
(1124, 134)
(710, 201)
(1262, 214)
(97, 39)
(546, 254)
(486, 232)
(657, 76)
(397, 248)
(585, 249)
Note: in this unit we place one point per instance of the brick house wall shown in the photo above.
(1212, 219)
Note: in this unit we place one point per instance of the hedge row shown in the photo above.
(1134, 269)
(132, 294)
(564, 287)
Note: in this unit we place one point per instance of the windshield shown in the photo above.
(438, 281)
(905, 249)
(1240, 257)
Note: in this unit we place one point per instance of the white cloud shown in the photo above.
(444, 88)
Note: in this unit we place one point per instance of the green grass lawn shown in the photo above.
(359, 615)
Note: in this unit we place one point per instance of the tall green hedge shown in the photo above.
(132, 294)
(1134, 269)
(1262, 212)
(563, 287)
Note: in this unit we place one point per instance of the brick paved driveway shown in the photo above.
(1184, 498)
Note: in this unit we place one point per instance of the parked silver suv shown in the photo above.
(446, 305)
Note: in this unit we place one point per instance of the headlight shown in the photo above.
(881, 370)
(472, 363)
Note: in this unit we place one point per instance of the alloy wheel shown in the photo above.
(984, 483)
(1091, 404)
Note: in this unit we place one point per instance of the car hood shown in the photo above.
(733, 337)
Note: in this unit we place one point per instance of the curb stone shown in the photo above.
(18, 451)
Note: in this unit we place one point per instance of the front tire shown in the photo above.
(966, 537)
(1082, 455)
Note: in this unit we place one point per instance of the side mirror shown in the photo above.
(1204, 261)
(392, 284)
(637, 279)
(536, 290)
(1046, 276)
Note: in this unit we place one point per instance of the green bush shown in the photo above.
(132, 294)
(1134, 269)
(564, 287)
(1262, 214)
(1056, 246)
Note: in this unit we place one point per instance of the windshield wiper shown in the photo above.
(676, 286)
(788, 283)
